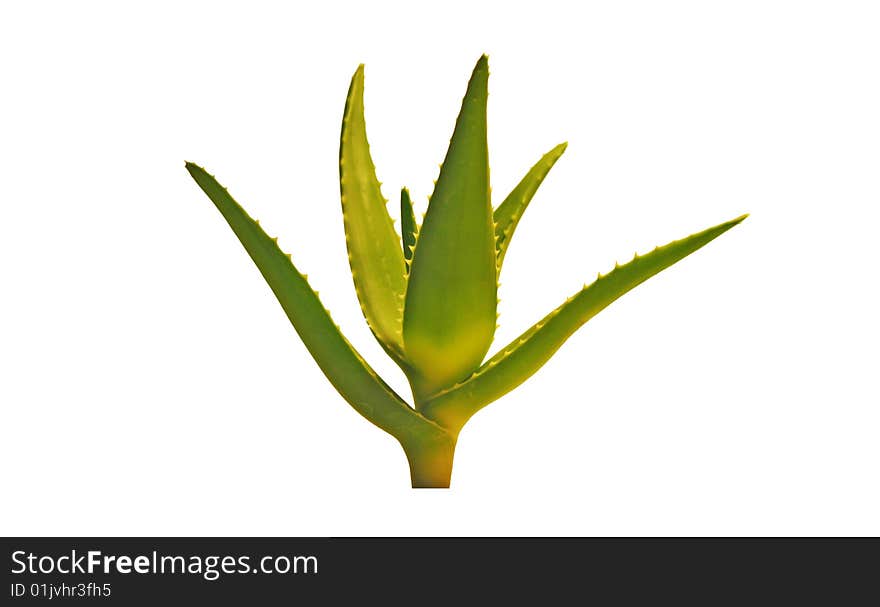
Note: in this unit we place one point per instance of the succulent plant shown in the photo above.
(429, 295)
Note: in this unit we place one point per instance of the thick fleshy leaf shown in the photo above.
(521, 358)
(349, 373)
(374, 252)
(509, 212)
(449, 317)
(408, 227)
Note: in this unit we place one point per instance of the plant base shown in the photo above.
(430, 464)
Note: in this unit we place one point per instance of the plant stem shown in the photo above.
(430, 462)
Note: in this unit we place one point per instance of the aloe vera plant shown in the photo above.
(429, 295)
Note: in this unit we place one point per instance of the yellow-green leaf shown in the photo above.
(449, 316)
(516, 362)
(408, 227)
(349, 373)
(511, 210)
(374, 254)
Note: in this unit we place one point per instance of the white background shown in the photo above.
(152, 385)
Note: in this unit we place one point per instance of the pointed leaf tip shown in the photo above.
(478, 85)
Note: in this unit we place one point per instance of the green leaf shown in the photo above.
(341, 363)
(408, 227)
(449, 317)
(521, 358)
(375, 257)
(509, 212)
